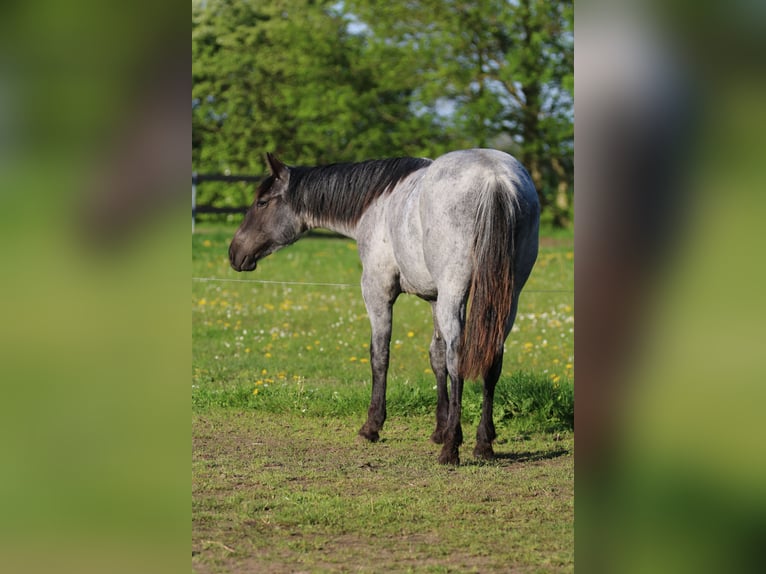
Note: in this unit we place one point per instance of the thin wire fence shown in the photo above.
(340, 285)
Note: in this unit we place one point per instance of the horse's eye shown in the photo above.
(262, 203)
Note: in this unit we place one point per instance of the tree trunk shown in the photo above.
(561, 203)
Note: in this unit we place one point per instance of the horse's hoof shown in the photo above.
(438, 436)
(484, 451)
(371, 436)
(449, 457)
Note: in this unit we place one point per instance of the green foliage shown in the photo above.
(323, 81)
(505, 67)
(289, 77)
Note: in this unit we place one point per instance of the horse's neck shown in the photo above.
(335, 220)
(346, 229)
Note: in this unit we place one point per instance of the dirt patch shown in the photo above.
(556, 242)
(348, 553)
(283, 494)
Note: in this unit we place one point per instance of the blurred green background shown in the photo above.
(96, 333)
(94, 327)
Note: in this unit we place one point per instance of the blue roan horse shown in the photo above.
(461, 227)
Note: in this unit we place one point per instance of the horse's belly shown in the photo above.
(414, 276)
(420, 286)
(406, 235)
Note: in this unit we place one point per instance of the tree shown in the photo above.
(322, 81)
(502, 69)
(287, 76)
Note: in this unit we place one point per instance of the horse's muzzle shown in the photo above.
(246, 263)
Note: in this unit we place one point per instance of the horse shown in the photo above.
(460, 231)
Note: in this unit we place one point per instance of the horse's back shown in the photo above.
(462, 173)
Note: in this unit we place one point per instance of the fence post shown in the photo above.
(194, 198)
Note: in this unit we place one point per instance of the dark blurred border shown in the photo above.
(95, 350)
(669, 197)
(95, 336)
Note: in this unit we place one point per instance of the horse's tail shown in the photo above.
(492, 283)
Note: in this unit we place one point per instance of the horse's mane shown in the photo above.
(341, 192)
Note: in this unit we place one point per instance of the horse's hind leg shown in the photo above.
(485, 433)
(438, 354)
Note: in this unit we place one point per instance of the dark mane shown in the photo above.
(342, 192)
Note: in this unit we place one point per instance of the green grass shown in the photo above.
(281, 384)
(304, 348)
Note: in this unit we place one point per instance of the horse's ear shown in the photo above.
(276, 167)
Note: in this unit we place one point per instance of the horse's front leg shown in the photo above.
(450, 313)
(379, 305)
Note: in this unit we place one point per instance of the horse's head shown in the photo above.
(269, 224)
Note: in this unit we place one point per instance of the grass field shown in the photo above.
(280, 385)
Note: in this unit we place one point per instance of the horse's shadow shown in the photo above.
(513, 457)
